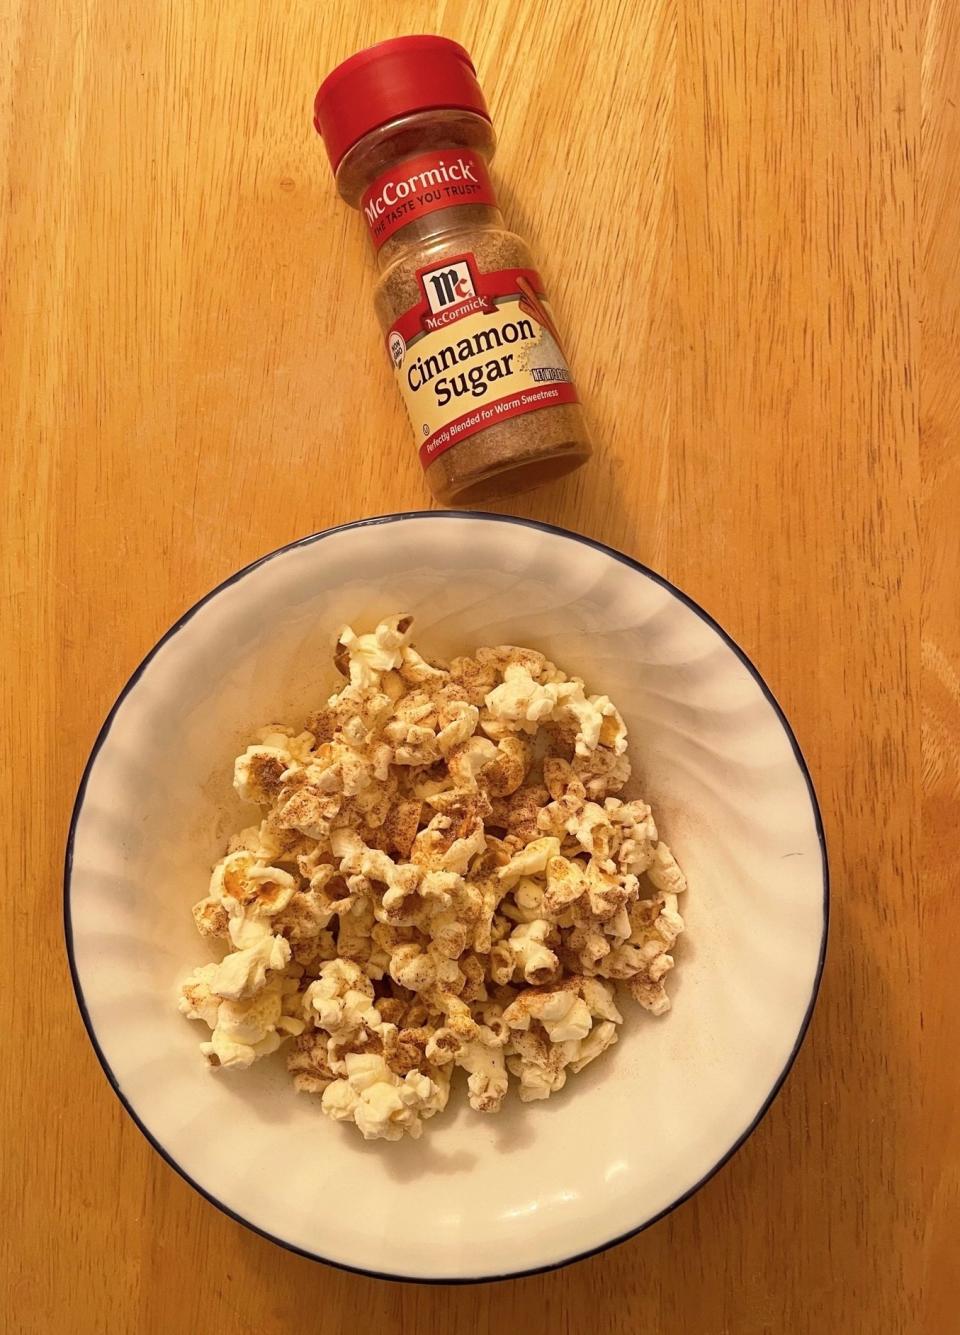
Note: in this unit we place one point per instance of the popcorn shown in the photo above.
(607, 892)
(441, 878)
(459, 730)
(341, 1000)
(664, 872)
(308, 1064)
(507, 656)
(591, 827)
(310, 810)
(476, 679)
(520, 702)
(637, 835)
(566, 883)
(613, 730)
(643, 961)
(258, 773)
(487, 1073)
(601, 1037)
(449, 847)
(243, 1029)
(211, 917)
(526, 903)
(532, 956)
(589, 945)
(367, 657)
(466, 761)
(297, 746)
(242, 973)
(269, 844)
(251, 895)
(554, 1031)
(529, 861)
(507, 771)
(519, 814)
(416, 670)
(601, 772)
(401, 824)
(355, 936)
(563, 1014)
(538, 1064)
(588, 713)
(382, 1105)
(412, 967)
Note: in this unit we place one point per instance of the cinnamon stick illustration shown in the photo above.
(531, 305)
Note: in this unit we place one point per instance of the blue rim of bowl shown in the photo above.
(556, 531)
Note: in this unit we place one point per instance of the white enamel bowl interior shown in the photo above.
(541, 1183)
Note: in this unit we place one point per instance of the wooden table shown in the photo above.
(748, 216)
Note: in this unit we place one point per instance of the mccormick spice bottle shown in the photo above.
(467, 328)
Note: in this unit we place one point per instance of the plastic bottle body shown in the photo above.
(526, 446)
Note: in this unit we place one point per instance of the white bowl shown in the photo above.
(541, 1184)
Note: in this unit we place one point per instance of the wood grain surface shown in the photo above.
(748, 217)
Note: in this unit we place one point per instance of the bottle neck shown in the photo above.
(421, 176)
(438, 226)
(428, 193)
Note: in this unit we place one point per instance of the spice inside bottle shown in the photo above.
(468, 330)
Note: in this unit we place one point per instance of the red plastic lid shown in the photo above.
(392, 79)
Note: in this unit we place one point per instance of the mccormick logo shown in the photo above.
(450, 293)
(417, 186)
(447, 285)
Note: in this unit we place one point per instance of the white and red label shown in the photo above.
(476, 349)
(420, 185)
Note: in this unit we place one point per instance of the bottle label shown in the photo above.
(477, 349)
(423, 184)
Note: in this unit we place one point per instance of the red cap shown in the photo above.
(392, 79)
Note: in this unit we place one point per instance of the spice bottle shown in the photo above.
(467, 327)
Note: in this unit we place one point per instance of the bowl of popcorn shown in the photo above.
(446, 896)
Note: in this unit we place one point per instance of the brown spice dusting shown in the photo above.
(341, 660)
(211, 918)
(266, 773)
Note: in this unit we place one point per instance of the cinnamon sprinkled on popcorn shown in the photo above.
(441, 877)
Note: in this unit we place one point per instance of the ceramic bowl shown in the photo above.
(631, 1137)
